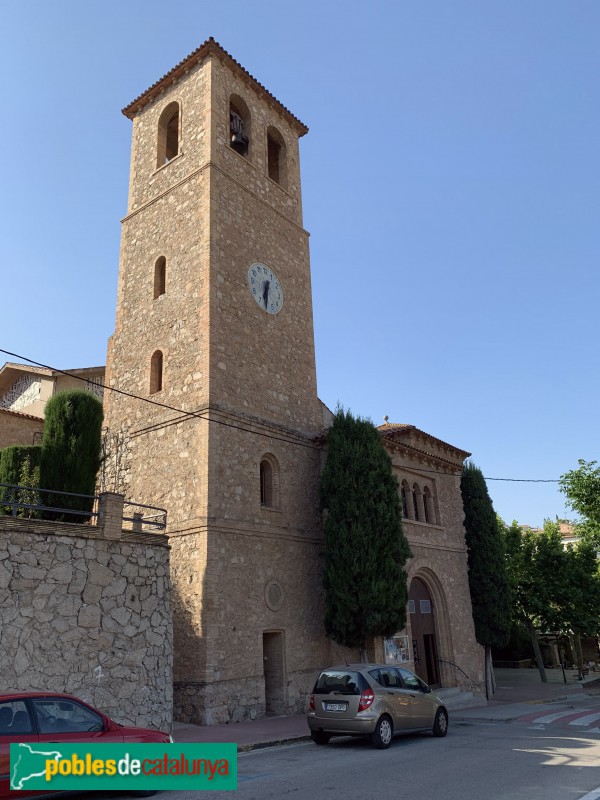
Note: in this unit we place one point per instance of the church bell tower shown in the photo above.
(214, 326)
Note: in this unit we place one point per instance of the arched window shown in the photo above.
(160, 276)
(407, 502)
(428, 506)
(156, 372)
(276, 157)
(168, 135)
(416, 497)
(266, 484)
(239, 125)
(404, 501)
(269, 482)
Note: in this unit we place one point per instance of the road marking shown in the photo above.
(586, 720)
(585, 716)
(593, 795)
(546, 719)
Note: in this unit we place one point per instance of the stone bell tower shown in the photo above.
(214, 321)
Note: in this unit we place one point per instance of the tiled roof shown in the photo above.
(20, 414)
(389, 429)
(209, 47)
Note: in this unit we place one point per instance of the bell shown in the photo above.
(239, 142)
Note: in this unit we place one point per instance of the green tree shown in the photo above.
(580, 605)
(19, 466)
(488, 582)
(582, 488)
(71, 447)
(365, 547)
(535, 565)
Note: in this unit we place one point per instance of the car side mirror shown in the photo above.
(426, 689)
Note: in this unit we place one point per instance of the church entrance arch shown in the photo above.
(422, 626)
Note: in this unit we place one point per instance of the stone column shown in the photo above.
(110, 510)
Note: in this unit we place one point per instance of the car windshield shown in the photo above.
(339, 681)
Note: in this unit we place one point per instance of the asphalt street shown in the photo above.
(548, 752)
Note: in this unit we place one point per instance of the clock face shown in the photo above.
(265, 288)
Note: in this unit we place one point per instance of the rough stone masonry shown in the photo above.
(89, 616)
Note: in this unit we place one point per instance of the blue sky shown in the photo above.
(450, 180)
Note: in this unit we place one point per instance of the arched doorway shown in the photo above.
(422, 626)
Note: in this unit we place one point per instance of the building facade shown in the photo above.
(24, 392)
(214, 327)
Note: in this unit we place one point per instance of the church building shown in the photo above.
(214, 325)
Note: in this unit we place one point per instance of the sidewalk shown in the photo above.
(514, 687)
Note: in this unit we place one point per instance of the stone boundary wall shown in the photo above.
(88, 612)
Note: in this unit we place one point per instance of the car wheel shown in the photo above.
(440, 723)
(320, 737)
(383, 733)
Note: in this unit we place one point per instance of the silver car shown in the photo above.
(376, 700)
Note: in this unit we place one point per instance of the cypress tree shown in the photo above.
(365, 547)
(488, 582)
(71, 447)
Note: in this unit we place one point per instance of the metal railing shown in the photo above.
(36, 503)
(151, 519)
(452, 664)
(32, 502)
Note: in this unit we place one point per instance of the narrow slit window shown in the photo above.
(266, 484)
(156, 372)
(160, 277)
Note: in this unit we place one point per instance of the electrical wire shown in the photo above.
(196, 415)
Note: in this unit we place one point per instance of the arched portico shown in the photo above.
(429, 626)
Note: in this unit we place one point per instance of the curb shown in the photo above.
(247, 748)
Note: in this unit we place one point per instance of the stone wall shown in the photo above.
(89, 615)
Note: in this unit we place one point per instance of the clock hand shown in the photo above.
(266, 294)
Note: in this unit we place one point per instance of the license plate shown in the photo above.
(335, 706)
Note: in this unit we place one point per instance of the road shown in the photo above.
(552, 752)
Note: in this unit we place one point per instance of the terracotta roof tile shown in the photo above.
(390, 428)
(209, 47)
(20, 414)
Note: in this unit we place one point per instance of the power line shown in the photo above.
(180, 411)
(197, 415)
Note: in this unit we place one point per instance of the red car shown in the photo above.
(49, 717)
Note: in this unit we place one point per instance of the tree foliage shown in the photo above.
(365, 547)
(582, 488)
(71, 448)
(20, 466)
(555, 590)
(488, 582)
(12, 459)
